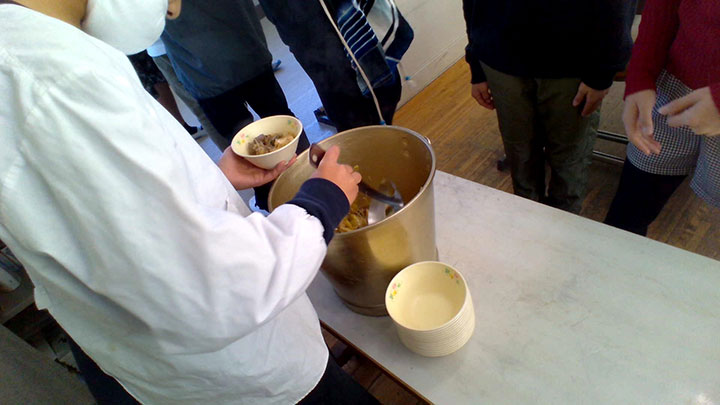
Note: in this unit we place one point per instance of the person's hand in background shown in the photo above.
(482, 94)
(697, 110)
(243, 174)
(342, 175)
(637, 117)
(592, 98)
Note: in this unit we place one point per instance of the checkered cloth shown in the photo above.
(682, 151)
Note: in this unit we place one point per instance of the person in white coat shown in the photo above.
(137, 243)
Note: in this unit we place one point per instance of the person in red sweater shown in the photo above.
(671, 115)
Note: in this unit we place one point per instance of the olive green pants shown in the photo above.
(539, 125)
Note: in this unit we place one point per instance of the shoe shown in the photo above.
(276, 65)
(191, 130)
(322, 117)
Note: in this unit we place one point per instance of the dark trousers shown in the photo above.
(337, 387)
(304, 27)
(103, 387)
(640, 198)
(228, 114)
(539, 125)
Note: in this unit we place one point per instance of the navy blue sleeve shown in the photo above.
(476, 70)
(611, 42)
(324, 200)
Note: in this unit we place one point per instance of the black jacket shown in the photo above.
(586, 39)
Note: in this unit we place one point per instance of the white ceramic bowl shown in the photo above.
(432, 309)
(268, 125)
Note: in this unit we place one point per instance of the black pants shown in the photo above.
(640, 198)
(103, 387)
(337, 387)
(304, 27)
(228, 114)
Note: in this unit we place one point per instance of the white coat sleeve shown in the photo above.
(195, 274)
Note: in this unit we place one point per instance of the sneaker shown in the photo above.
(322, 117)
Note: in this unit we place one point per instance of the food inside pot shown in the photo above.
(263, 144)
(358, 216)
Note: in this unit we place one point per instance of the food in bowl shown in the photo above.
(276, 124)
(263, 143)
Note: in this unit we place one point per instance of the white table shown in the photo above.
(568, 311)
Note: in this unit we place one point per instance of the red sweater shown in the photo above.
(682, 36)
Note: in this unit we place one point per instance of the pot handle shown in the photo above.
(316, 154)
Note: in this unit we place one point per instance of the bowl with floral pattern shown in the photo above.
(431, 307)
(280, 133)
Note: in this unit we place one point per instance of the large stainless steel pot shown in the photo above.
(361, 263)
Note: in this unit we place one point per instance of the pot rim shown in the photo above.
(424, 187)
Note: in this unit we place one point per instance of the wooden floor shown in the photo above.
(467, 142)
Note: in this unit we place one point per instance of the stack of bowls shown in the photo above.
(430, 304)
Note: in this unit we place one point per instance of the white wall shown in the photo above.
(440, 41)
